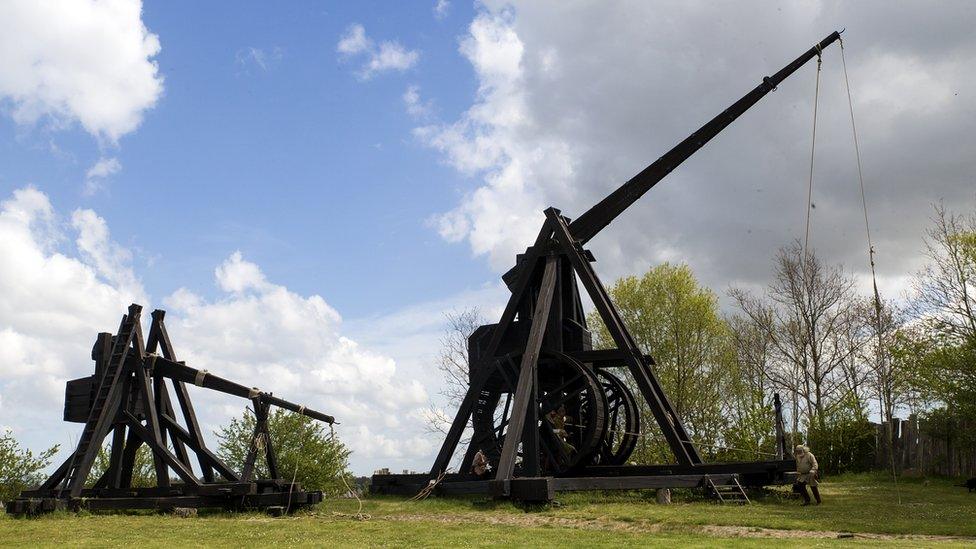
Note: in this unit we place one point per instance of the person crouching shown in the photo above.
(806, 474)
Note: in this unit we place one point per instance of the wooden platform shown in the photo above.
(625, 477)
(223, 495)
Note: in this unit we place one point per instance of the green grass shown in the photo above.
(867, 505)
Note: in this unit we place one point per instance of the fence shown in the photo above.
(915, 450)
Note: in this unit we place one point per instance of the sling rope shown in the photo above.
(359, 514)
(429, 489)
(867, 232)
(813, 150)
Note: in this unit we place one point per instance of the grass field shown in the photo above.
(861, 509)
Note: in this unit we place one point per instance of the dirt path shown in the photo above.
(651, 527)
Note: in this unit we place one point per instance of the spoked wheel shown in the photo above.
(567, 389)
(623, 421)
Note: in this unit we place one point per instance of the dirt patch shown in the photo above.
(651, 527)
(757, 532)
(528, 520)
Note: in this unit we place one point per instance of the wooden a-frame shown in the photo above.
(555, 244)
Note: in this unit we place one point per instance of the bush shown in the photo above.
(302, 445)
(846, 444)
(20, 469)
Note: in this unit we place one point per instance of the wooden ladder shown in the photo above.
(97, 425)
(732, 493)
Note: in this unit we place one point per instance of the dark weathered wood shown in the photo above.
(603, 213)
(522, 278)
(647, 382)
(131, 399)
(524, 391)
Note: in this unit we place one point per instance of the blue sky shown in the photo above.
(309, 187)
(309, 171)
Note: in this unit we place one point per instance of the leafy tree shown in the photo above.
(677, 320)
(751, 429)
(303, 446)
(143, 470)
(20, 469)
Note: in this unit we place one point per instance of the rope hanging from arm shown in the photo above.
(813, 150)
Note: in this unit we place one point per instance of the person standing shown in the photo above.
(806, 474)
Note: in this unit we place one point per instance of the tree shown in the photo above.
(677, 320)
(807, 316)
(452, 362)
(20, 469)
(304, 448)
(143, 468)
(946, 287)
(750, 402)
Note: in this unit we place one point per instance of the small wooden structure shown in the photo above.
(536, 367)
(128, 398)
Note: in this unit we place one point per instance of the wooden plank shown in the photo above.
(526, 381)
(637, 482)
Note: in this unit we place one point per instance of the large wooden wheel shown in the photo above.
(566, 388)
(623, 421)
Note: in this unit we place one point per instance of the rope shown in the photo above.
(359, 514)
(867, 232)
(813, 149)
(429, 489)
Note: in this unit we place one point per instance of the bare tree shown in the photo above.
(452, 363)
(890, 379)
(946, 287)
(805, 314)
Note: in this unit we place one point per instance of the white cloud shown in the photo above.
(95, 175)
(575, 99)
(416, 107)
(264, 334)
(86, 61)
(63, 281)
(501, 216)
(354, 41)
(53, 305)
(441, 8)
(263, 59)
(387, 56)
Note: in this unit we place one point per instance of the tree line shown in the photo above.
(836, 357)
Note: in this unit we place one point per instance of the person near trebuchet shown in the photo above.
(806, 474)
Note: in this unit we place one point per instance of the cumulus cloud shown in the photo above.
(95, 176)
(415, 105)
(293, 345)
(65, 280)
(384, 57)
(88, 61)
(441, 8)
(54, 302)
(575, 99)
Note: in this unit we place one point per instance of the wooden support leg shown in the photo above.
(526, 383)
(159, 337)
(152, 425)
(260, 440)
(674, 431)
(461, 419)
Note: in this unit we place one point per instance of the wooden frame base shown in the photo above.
(237, 496)
(626, 477)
